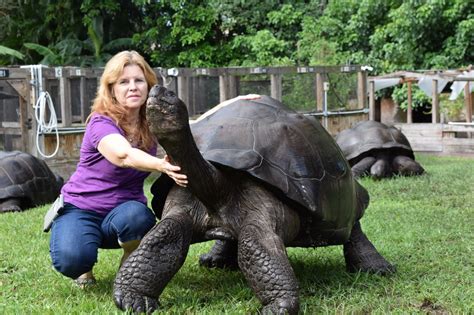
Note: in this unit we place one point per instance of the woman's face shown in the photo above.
(131, 88)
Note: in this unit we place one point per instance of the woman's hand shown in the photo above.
(173, 172)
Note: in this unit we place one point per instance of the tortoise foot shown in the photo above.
(361, 255)
(211, 260)
(132, 301)
(281, 306)
(222, 255)
(371, 263)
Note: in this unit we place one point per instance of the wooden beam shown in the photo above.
(371, 100)
(223, 88)
(362, 89)
(275, 82)
(183, 89)
(409, 106)
(435, 103)
(319, 92)
(233, 86)
(65, 101)
(468, 102)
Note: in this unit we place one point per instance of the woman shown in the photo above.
(104, 202)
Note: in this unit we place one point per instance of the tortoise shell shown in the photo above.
(369, 136)
(25, 177)
(284, 149)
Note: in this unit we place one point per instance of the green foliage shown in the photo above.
(452, 110)
(11, 52)
(388, 35)
(419, 98)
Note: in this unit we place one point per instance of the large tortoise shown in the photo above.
(266, 178)
(25, 181)
(374, 148)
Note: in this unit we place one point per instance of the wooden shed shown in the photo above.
(441, 135)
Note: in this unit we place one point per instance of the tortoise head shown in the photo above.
(167, 115)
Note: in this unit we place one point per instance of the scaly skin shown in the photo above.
(230, 207)
(263, 261)
(147, 271)
(222, 255)
(361, 255)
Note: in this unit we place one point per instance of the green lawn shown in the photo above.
(424, 225)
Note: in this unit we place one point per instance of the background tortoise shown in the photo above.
(276, 179)
(25, 182)
(377, 149)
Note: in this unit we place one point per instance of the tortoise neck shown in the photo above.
(205, 181)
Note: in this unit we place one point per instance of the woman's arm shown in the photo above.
(118, 151)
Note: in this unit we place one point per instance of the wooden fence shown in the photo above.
(329, 93)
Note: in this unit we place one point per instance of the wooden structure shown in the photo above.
(72, 91)
(410, 77)
(436, 137)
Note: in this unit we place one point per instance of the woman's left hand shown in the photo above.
(173, 172)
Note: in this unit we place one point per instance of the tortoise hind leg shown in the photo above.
(10, 205)
(264, 263)
(406, 166)
(362, 167)
(361, 255)
(222, 255)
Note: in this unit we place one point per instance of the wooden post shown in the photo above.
(409, 106)
(65, 96)
(83, 99)
(435, 103)
(319, 92)
(223, 88)
(183, 89)
(362, 89)
(275, 81)
(371, 100)
(23, 123)
(232, 83)
(468, 102)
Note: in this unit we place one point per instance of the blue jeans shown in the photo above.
(76, 235)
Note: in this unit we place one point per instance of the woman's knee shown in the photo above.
(73, 262)
(135, 221)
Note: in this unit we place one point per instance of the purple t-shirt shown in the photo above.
(97, 184)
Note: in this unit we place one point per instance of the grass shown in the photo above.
(423, 224)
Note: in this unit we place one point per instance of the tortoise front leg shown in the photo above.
(147, 271)
(381, 168)
(264, 263)
(363, 166)
(10, 205)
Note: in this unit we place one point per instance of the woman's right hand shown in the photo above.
(173, 172)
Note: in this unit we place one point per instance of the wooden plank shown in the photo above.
(468, 102)
(223, 88)
(435, 103)
(362, 89)
(409, 106)
(65, 97)
(371, 100)
(275, 82)
(458, 145)
(319, 92)
(423, 136)
(458, 128)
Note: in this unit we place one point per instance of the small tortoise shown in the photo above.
(378, 149)
(261, 178)
(25, 182)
